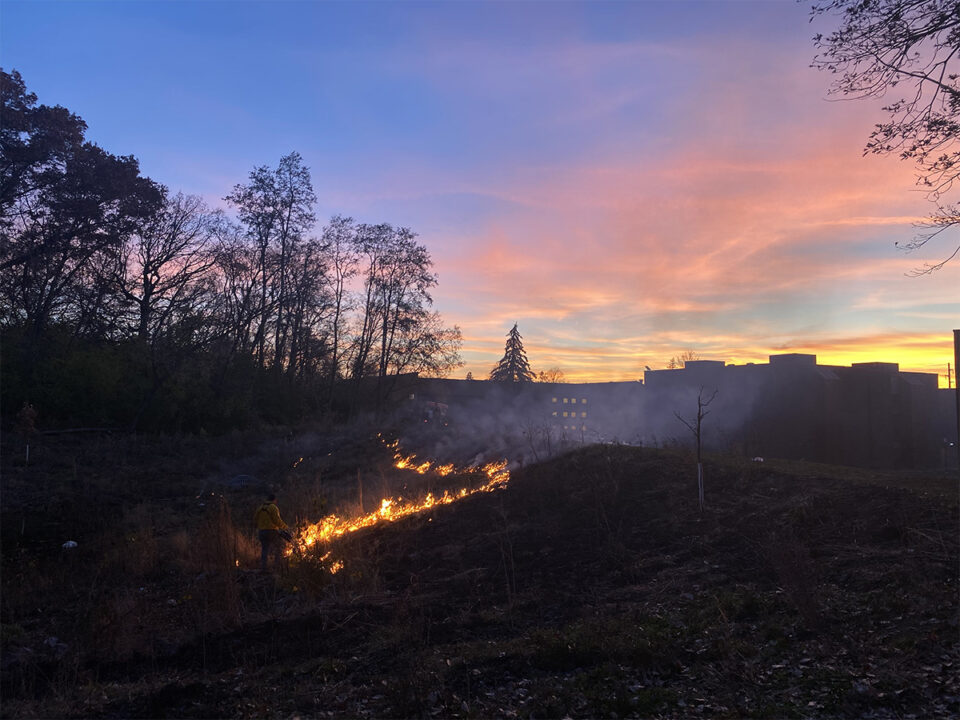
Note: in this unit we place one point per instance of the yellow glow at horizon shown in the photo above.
(923, 353)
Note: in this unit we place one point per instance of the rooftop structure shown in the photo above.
(868, 414)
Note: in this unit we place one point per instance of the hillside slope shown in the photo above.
(591, 586)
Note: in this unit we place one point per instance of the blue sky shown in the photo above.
(626, 180)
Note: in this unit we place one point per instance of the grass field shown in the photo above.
(591, 586)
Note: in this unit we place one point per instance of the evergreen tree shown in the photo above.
(513, 366)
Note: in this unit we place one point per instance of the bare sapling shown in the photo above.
(26, 426)
(702, 412)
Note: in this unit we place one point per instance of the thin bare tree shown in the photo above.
(695, 427)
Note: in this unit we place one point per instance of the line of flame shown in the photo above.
(391, 509)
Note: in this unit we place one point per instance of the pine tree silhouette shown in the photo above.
(513, 366)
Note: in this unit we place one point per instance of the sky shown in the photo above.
(626, 181)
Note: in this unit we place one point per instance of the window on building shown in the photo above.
(554, 400)
(583, 414)
(554, 413)
(584, 401)
(573, 400)
(565, 401)
(565, 413)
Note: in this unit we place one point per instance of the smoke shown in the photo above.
(476, 422)
(502, 421)
(727, 419)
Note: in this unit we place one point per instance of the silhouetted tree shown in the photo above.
(35, 144)
(513, 366)
(66, 209)
(883, 47)
(276, 210)
(396, 284)
(296, 200)
(404, 284)
(371, 243)
(308, 308)
(427, 348)
(340, 238)
(159, 268)
(238, 292)
(551, 375)
(123, 289)
(681, 360)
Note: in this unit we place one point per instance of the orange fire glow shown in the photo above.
(332, 527)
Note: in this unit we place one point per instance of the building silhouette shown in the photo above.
(866, 414)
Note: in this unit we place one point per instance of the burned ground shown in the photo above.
(591, 586)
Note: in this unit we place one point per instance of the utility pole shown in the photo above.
(956, 362)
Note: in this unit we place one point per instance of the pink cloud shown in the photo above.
(737, 216)
(694, 235)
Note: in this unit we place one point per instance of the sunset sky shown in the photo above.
(624, 180)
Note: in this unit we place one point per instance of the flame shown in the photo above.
(334, 526)
(409, 462)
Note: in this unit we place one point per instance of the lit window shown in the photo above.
(554, 400)
(554, 413)
(583, 414)
(565, 401)
(573, 400)
(584, 401)
(564, 413)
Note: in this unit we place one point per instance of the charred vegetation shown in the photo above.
(590, 585)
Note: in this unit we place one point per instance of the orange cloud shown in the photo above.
(618, 266)
(738, 218)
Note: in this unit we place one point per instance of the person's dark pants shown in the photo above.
(270, 541)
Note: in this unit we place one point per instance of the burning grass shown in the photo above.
(495, 476)
(587, 586)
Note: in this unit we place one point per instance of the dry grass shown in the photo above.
(591, 586)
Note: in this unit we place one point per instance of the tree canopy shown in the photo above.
(680, 361)
(513, 366)
(124, 304)
(551, 375)
(907, 51)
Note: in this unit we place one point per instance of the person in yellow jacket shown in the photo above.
(269, 528)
